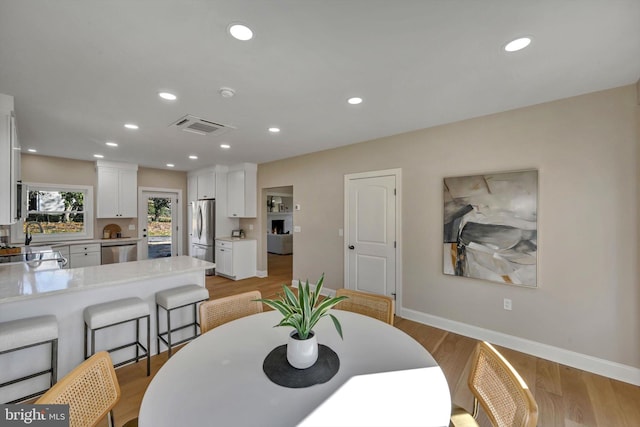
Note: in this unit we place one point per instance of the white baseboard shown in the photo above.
(261, 274)
(614, 370)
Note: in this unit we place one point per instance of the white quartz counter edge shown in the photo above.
(233, 239)
(18, 283)
(85, 242)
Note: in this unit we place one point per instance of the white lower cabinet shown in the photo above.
(224, 259)
(87, 255)
(236, 259)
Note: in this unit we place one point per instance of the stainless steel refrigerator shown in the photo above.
(203, 231)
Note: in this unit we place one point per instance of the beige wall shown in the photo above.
(586, 151)
(57, 170)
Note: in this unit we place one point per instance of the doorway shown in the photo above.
(279, 209)
(372, 226)
(159, 224)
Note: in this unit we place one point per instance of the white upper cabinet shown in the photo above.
(192, 188)
(201, 184)
(206, 184)
(241, 190)
(117, 190)
(9, 162)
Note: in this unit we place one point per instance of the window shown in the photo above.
(62, 212)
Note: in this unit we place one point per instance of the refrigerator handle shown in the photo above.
(199, 222)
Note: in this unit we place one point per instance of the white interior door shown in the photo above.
(371, 228)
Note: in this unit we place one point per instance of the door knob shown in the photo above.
(352, 247)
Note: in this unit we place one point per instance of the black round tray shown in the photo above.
(278, 369)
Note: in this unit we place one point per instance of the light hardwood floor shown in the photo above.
(566, 397)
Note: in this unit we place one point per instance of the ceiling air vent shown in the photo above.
(200, 126)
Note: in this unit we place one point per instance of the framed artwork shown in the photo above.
(491, 227)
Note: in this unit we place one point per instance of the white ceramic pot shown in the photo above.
(302, 354)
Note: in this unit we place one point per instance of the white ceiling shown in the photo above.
(80, 69)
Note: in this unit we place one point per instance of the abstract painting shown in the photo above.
(490, 227)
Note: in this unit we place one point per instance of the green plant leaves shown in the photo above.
(337, 324)
(302, 312)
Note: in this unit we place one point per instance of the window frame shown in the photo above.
(17, 229)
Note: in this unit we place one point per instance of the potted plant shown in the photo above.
(302, 312)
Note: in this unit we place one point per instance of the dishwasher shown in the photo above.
(115, 252)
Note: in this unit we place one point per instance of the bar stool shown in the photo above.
(30, 332)
(173, 299)
(112, 313)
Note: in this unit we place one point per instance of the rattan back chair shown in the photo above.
(379, 307)
(91, 390)
(219, 311)
(500, 390)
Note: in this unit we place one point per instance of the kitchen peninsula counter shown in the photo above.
(66, 293)
(20, 281)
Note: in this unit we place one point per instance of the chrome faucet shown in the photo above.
(27, 234)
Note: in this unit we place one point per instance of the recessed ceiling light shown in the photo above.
(241, 32)
(170, 165)
(192, 157)
(517, 44)
(274, 130)
(131, 126)
(167, 95)
(354, 100)
(226, 92)
(98, 156)
(32, 150)
(111, 144)
(225, 146)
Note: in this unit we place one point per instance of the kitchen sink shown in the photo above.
(34, 258)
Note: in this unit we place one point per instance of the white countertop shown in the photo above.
(89, 241)
(19, 281)
(40, 244)
(233, 239)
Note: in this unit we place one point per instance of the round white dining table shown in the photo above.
(385, 378)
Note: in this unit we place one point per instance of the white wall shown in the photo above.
(585, 149)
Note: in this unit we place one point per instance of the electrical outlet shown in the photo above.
(297, 207)
(250, 226)
(132, 227)
(297, 229)
(340, 232)
(507, 304)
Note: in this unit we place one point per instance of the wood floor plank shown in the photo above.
(604, 401)
(577, 402)
(548, 377)
(628, 397)
(550, 408)
(429, 337)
